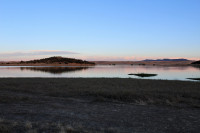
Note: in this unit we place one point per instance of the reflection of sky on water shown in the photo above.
(122, 71)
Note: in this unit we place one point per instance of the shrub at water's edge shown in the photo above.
(194, 78)
(196, 62)
(143, 74)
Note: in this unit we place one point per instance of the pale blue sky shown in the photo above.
(100, 29)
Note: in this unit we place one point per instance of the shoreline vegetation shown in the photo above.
(163, 92)
(98, 105)
(143, 63)
(194, 79)
(120, 89)
(143, 74)
(196, 63)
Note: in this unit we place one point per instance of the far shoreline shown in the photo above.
(141, 63)
(71, 64)
(146, 63)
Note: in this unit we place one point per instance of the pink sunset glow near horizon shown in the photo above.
(38, 54)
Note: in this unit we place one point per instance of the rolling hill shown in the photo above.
(57, 60)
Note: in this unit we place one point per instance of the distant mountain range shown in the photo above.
(166, 60)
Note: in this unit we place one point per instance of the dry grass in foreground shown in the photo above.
(139, 91)
(101, 105)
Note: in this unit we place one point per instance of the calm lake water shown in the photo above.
(121, 71)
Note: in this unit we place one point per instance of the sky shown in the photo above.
(126, 30)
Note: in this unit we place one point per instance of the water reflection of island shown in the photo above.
(54, 70)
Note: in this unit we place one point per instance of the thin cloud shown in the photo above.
(36, 53)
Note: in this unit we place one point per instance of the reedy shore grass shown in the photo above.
(103, 105)
(158, 92)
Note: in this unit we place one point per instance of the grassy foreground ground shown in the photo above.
(98, 105)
